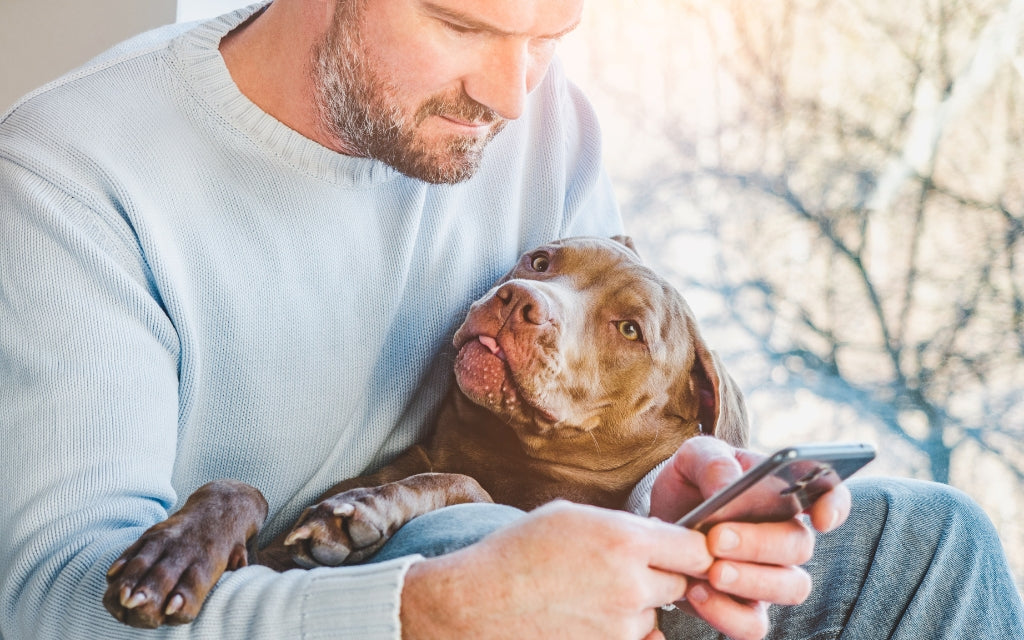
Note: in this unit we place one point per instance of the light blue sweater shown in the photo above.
(190, 290)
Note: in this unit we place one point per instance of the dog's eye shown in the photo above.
(540, 262)
(629, 330)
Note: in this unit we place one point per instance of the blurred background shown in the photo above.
(837, 186)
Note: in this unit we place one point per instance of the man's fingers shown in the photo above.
(664, 588)
(776, 585)
(789, 542)
(740, 620)
(709, 463)
(677, 549)
(831, 510)
(676, 489)
(655, 634)
(700, 467)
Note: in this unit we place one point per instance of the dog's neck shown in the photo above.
(610, 449)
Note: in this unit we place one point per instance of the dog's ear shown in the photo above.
(628, 242)
(722, 413)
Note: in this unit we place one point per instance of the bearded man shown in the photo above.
(239, 249)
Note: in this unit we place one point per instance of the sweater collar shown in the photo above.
(197, 54)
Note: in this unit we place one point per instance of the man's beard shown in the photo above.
(363, 111)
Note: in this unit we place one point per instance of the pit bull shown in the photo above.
(576, 374)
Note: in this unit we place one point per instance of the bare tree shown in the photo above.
(846, 178)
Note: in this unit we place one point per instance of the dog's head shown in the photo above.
(588, 355)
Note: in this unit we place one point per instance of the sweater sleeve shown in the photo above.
(89, 407)
(639, 499)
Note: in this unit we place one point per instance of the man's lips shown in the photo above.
(474, 125)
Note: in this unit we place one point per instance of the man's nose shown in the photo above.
(504, 77)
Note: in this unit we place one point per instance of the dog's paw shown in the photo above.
(345, 528)
(165, 576)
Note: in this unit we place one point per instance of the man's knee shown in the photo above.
(923, 527)
(929, 508)
(446, 530)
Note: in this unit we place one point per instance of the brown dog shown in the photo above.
(576, 374)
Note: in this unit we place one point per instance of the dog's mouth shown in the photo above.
(493, 346)
(485, 375)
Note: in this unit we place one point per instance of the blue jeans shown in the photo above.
(915, 560)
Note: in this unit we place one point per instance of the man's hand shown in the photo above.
(580, 571)
(755, 564)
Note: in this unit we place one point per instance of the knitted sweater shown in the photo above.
(190, 290)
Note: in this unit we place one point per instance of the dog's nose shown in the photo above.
(524, 303)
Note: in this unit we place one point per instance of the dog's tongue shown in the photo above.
(492, 345)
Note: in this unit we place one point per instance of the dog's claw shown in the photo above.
(135, 600)
(175, 605)
(116, 567)
(301, 533)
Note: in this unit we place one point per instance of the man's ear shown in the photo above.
(722, 413)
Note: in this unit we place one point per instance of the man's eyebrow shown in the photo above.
(469, 22)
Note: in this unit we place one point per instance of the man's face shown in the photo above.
(424, 85)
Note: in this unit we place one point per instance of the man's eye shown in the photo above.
(457, 28)
(540, 262)
(629, 330)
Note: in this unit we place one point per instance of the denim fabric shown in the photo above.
(915, 560)
(445, 530)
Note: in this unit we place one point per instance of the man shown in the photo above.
(239, 249)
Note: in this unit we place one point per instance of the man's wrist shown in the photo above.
(428, 592)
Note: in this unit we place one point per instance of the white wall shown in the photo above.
(196, 9)
(42, 39)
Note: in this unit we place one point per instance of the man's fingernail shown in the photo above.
(698, 594)
(728, 574)
(728, 540)
(833, 519)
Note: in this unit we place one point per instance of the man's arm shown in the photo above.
(587, 572)
(89, 410)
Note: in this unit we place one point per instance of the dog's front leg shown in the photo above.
(166, 575)
(348, 527)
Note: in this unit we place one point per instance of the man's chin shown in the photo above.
(443, 167)
(450, 174)
(444, 158)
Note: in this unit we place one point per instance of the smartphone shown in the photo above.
(781, 486)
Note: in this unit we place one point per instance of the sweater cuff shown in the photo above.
(639, 501)
(357, 602)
